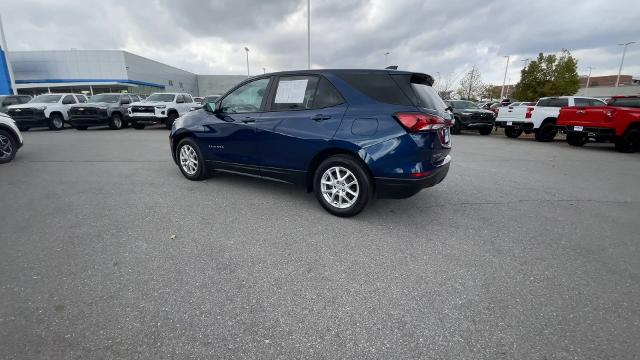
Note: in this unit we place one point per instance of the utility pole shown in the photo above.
(247, 50)
(588, 76)
(309, 34)
(624, 51)
(504, 80)
(264, 70)
(3, 45)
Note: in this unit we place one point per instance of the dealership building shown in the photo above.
(100, 71)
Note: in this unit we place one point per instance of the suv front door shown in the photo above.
(229, 135)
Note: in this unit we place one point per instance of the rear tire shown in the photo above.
(116, 122)
(629, 142)
(8, 147)
(485, 130)
(577, 139)
(342, 185)
(547, 132)
(137, 126)
(190, 160)
(512, 132)
(56, 122)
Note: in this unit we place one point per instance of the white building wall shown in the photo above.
(175, 80)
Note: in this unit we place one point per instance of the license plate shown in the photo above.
(509, 123)
(578, 128)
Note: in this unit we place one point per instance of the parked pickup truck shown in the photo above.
(468, 116)
(50, 110)
(617, 122)
(511, 118)
(159, 108)
(102, 109)
(541, 118)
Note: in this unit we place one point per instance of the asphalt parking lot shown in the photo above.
(527, 250)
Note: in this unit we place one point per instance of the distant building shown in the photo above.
(100, 71)
(605, 86)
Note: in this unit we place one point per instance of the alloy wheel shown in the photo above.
(339, 187)
(189, 159)
(6, 148)
(57, 123)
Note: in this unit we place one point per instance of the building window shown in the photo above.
(170, 82)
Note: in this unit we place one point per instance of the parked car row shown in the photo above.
(116, 110)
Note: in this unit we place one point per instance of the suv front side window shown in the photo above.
(245, 99)
(69, 99)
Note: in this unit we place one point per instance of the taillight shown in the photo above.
(529, 113)
(414, 122)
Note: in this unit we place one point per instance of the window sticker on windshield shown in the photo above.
(291, 91)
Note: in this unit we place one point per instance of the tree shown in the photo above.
(471, 85)
(444, 86)
(548, 75)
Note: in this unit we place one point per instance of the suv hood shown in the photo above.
(31, 105)
(150, 103)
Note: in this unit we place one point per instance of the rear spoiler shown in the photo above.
(420, 78)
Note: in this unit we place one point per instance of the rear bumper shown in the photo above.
(599, 133)
(515, 124)
(393, 188)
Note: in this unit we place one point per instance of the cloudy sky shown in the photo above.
(436, 37)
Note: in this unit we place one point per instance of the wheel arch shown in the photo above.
(326, 153)
(11, 132)
(177, 137)
(548, 120)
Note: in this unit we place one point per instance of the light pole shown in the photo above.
(526, 62)
(624, 51)
(247, 50)
(264, 70)
(309, 34)
(588, 76)
(385, 58)
(504, 80)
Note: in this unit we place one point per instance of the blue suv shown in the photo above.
(346, 135)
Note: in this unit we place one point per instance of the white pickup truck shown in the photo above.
(541, 118)
(159, 108)
(50, 110)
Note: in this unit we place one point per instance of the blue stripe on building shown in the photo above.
(5, 79)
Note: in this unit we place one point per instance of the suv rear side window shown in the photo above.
(69, 99)
(326, 95)
(581, 102)
(294, 93)
(553, 102)
(378, 86)
(81, 98)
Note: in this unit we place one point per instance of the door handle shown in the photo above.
(580, 112)
(320, 117)
(248, 120)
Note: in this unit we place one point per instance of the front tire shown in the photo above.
(576, 139)
(170, 119)
(512, 132)
(485, 130)
(115, 123)
(547, 132)
(190, 160)
(8, 147)
(56, 122)
(342, 185)
(455, 129)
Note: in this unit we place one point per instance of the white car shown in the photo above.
(10, 138)
(541, 118)
(50, 110)
(160, 108)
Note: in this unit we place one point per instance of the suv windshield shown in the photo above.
(103, 98)
(625, 102)
(49, 99)
(161, 97)
(458, 104)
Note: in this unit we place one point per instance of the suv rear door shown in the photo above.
(304, 112)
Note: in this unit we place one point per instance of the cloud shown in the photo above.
(446, 37)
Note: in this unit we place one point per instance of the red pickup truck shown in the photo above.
(618, 122)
